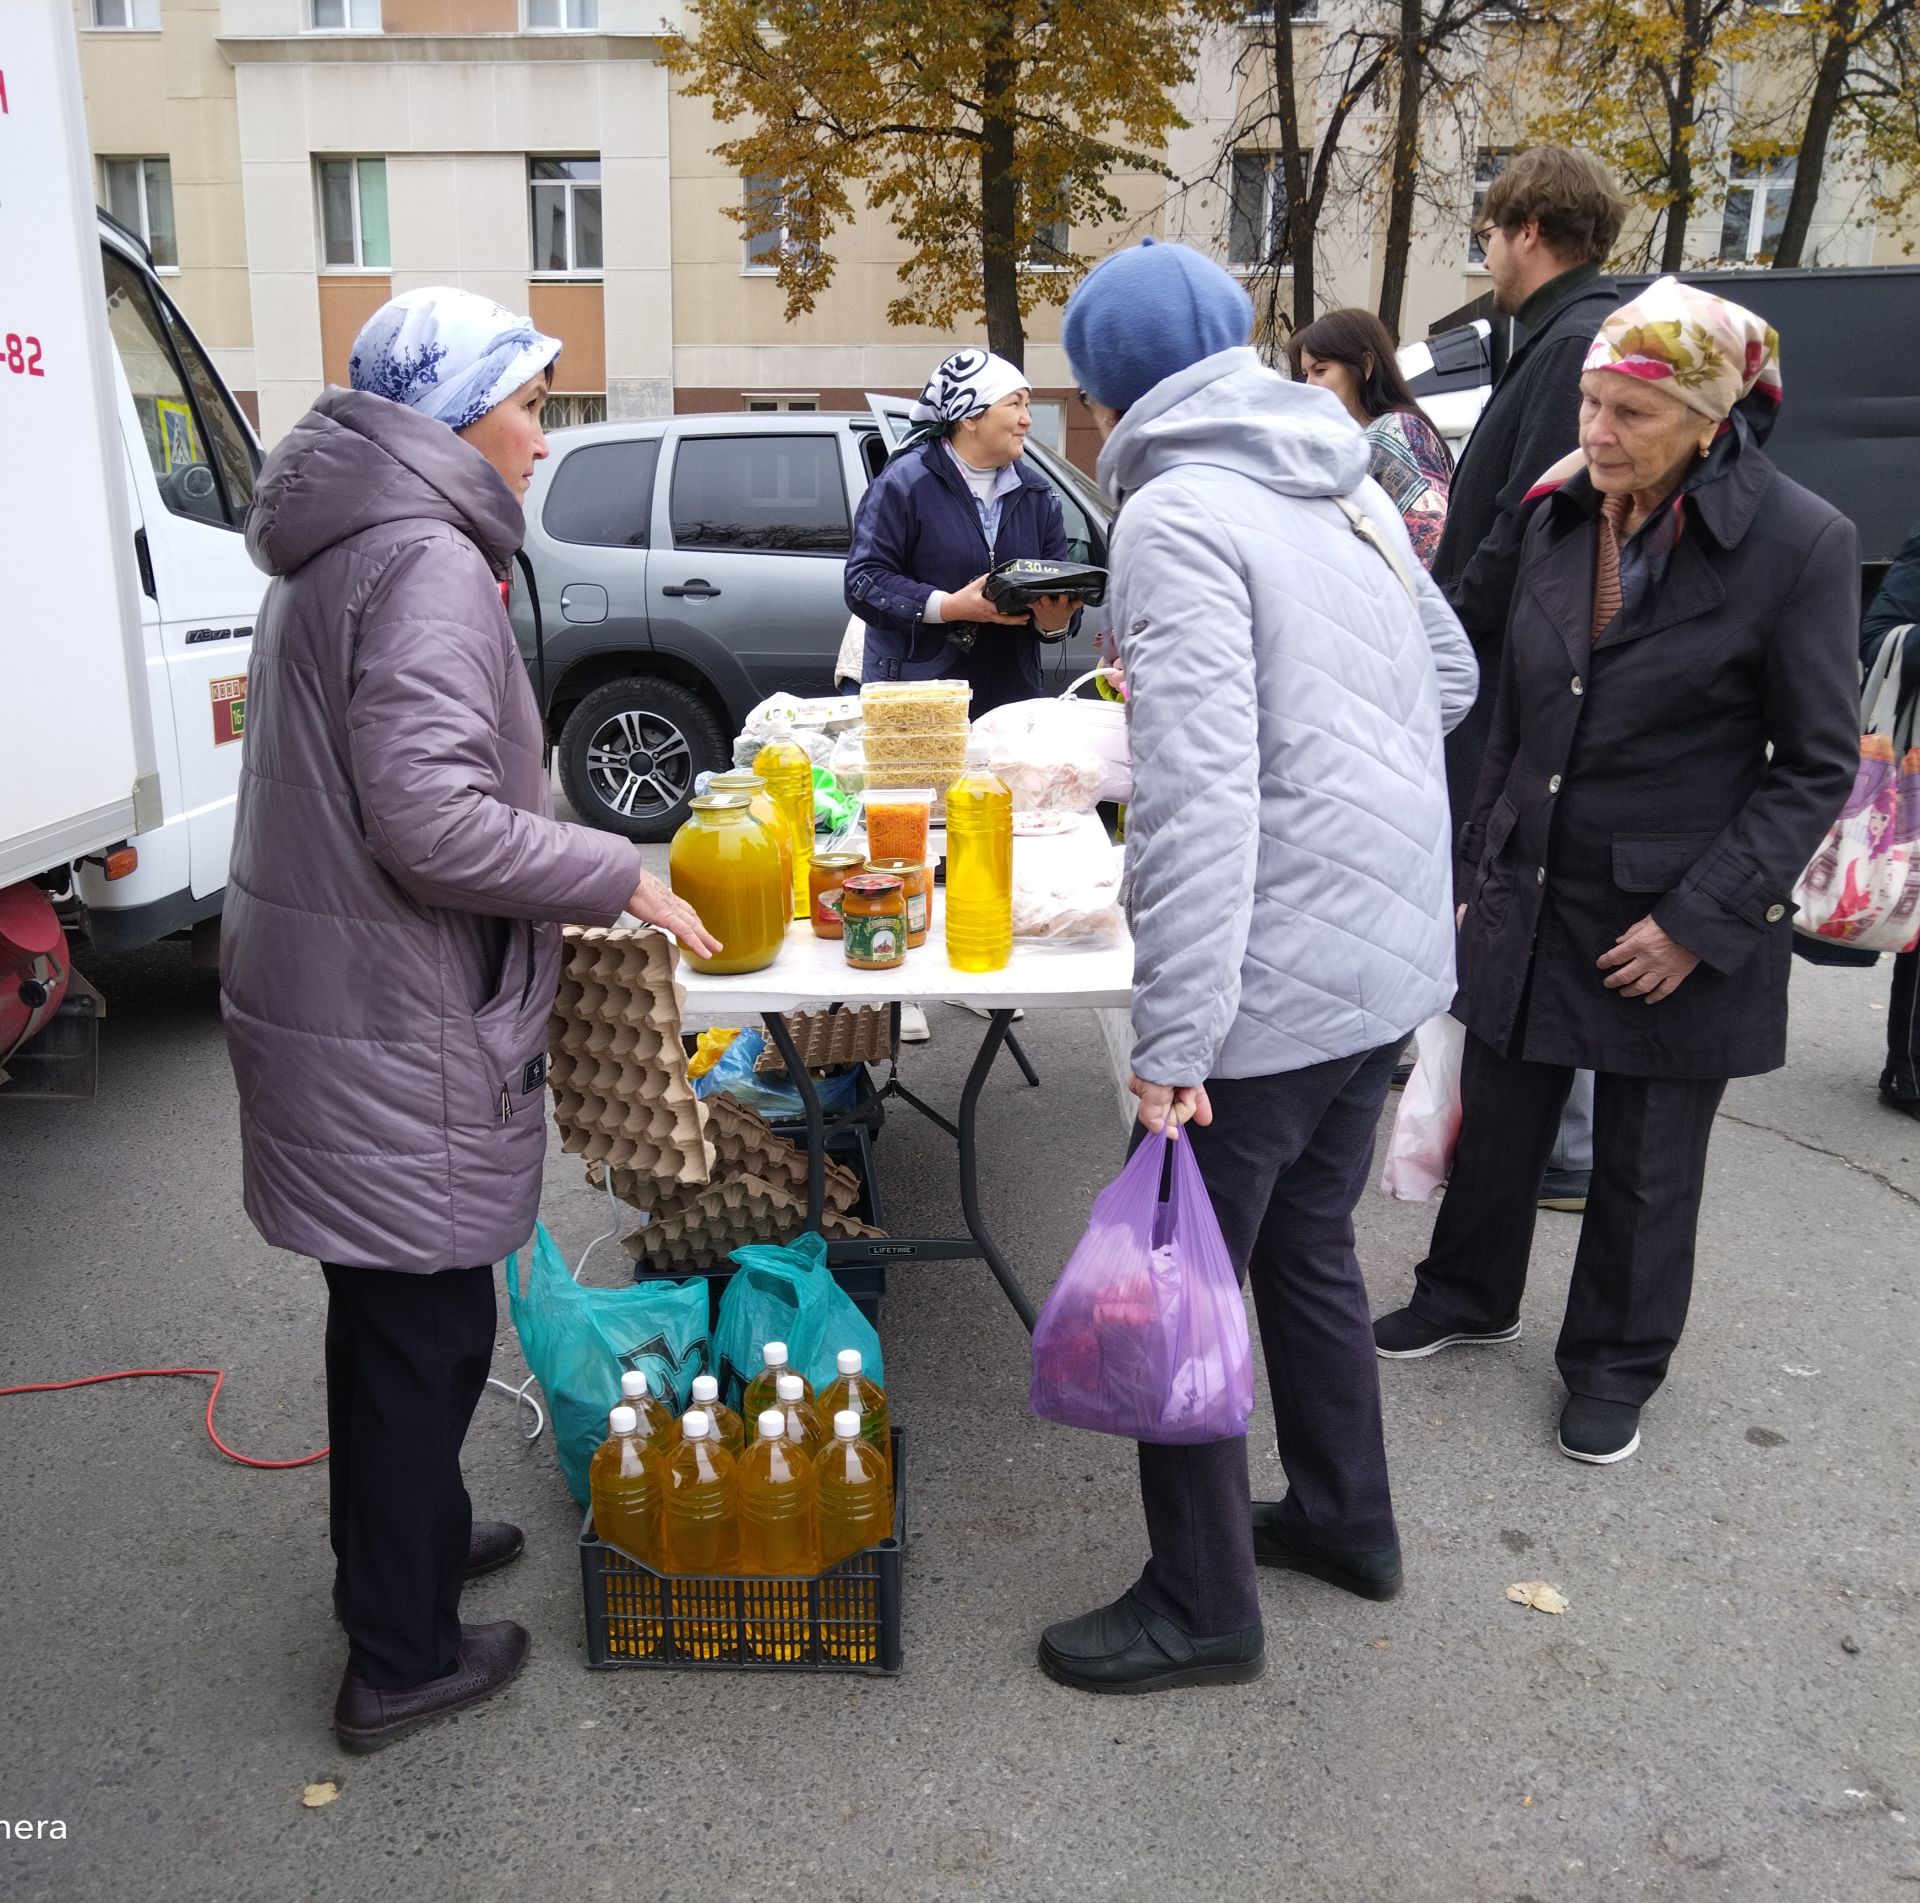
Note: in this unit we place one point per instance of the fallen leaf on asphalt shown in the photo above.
(1379, 1645)
(1537, 1594)
(317, 1794)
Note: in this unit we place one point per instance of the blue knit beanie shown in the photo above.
(1146, 313)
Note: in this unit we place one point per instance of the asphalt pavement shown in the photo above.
(1728, 1711)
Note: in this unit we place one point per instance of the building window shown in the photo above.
(774, 402)
(566, 217)
(1756, 210)
(562, 16)
(1051, 247)
(1488, 163)
(569, 412)
(765, 204)
(1302, 13)
(139, 192)
(353, 215)
(344, 16)
(141, 16)
(1257, 218)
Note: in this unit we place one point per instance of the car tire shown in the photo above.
(675, 737)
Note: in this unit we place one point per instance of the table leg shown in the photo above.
(998, 1031)
(782, 1035)
(1020, 1057)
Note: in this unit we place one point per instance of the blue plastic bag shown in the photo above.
(773, 1095)
(579, 1341)
(787, 1293)
(1145, 1333)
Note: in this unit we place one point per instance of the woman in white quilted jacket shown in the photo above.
(1290, 890)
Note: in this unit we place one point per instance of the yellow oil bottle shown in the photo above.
(625, 1483)
(731, 1429)
(700, 1534)
(761, 1392)
(857, 1389)
(779, 1544)
(659, 1426)
(979, 868)
(788, 772)
(804, 1425)
(854, 1510)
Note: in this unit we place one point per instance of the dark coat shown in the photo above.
(1897, 605)
(1631, 776)
(916, 530)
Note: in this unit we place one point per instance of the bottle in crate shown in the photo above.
(727, 1425)
(659, 1427)
(853, 1501)
(805, 1428)
(856, 1389)
(700, 1535)
(761, 1391)
(625, 1483)
(779, 1545)
(784, 765)
(979, 868)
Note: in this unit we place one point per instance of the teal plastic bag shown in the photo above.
(788, 1294)
(579, 1342)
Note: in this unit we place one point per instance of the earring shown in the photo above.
(1706, 449)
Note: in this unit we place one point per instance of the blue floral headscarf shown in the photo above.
(451, 355)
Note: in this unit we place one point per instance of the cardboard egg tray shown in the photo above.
(616, 1065)
(701, 1228)
(828, 1039)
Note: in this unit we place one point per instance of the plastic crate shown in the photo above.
(846, 1620)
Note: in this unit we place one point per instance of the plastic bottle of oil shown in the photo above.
(658, 1426)
(761, 1391)
(855, 1511)
(626, 1481)
(700, 1533)
(804, 1425)
(731, 1429)
(784, 765)
(778, 1538)
(979, 868)
(868, 1399)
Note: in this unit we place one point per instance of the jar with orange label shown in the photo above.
(829, 872)
(916, 881)
(873, 915)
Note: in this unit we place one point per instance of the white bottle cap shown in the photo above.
(846, 1424)
(706, 1390)
(623, 1420)
(633, 1384)
(697, 1423)
(848, 1361)
(774, 1354)
(772, 1423)
(790, 1387)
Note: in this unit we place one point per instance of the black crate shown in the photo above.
(846, 1620)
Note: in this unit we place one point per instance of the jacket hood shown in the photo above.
(356, 461)
(1231, 411)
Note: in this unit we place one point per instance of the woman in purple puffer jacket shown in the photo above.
(390, 951)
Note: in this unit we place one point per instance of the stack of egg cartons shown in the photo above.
(915, 733)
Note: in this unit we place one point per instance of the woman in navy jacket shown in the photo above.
(954, 503)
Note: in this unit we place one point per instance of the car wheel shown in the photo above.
(630, 752)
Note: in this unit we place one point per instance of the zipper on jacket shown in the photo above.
(506, 1104)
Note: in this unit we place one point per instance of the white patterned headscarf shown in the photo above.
(967, 383)
(451, 355)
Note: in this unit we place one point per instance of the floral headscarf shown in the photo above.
(451, 355)
(1707, 352)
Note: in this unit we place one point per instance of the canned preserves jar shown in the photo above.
(873, 915)
(829, 872)
(916, 881)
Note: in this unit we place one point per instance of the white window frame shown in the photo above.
(1495, 159)
(567, 10)
(353, 13)
(1063, 227)
(353, 162)
(767, 263)
(1760, 186)
(780, 402)
(573, 409)
(1275, 180)
(575, 273)
(144, 229)
(133, 23)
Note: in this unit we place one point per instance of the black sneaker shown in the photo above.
(1893, 1101)
(1370, 1575)
(1598, 1432)
(1565, 1190)
(1405, 1336)
(1125, 1648)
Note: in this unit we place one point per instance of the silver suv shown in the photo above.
(690, 566)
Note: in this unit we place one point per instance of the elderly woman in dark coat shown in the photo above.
(1676, 727)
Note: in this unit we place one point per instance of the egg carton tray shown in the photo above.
(829, 1039)
(703, 1227)
(744, 1144)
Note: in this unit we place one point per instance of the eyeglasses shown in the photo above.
(1086, 401)
(1481, 234)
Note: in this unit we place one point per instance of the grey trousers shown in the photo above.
(1285, 1160)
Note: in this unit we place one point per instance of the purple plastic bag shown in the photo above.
(1145, 1334)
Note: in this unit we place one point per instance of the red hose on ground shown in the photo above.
(140, 1374)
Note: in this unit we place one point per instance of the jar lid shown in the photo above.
(874, 884)
(900, 868)
(719, 803)
(837, 861)
(739, 780)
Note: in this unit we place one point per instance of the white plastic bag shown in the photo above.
(1048, 775)
(1088, 729)
(1066, 890)
(1427, 1126)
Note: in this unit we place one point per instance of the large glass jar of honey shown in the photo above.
(726, 865)
(763, 807)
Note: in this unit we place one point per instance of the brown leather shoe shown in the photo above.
(492, 1544)
(368, 1719)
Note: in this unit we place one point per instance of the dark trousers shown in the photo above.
(1633, 1271)
(1284, 1161)
(1901, 1078)
(407, 1358)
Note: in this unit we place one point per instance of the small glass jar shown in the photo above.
(873, 915)
(916, 880)
(726, 865)
(829, 872)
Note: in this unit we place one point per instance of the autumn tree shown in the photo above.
(977, 130)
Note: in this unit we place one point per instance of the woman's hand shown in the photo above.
(971, 604)
(656, 903)
(1052, 613)
(1646, 963)
(1168, 1106)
